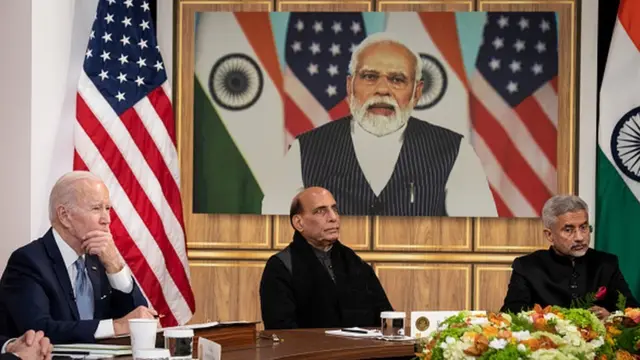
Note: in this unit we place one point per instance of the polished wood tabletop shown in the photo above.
(315, 344)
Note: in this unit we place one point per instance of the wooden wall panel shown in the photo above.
(424, 5)
(525, 235)
(324, 5)
(426, 286)
(354, 232)
(208, 230)
(490, 286)
(226, 291)
(422, 233)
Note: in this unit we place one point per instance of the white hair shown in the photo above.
(559, 205)
(65, 189)
(383, 37)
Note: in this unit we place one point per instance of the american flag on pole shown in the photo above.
(514, 109)
(125, 133)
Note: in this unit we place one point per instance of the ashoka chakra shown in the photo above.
(235, 82)
(625, 144)
(435, 82)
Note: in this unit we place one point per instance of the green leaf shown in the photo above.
(621, 304)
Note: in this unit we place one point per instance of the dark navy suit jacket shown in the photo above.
(6, 356)
(36, 293)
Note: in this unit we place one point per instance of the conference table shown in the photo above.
(315, 344)
(243, 341)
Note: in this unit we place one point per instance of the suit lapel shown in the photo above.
(61, 272)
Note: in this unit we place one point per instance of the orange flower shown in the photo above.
(479, 347)
(490, 331)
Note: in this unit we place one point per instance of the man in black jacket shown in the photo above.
(569, 269)
(30, 346)
(317, 282)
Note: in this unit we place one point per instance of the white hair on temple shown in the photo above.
(64, 190)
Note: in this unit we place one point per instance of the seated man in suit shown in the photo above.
(71, 283)
(317, 282)
(569, 269)
(30, 346)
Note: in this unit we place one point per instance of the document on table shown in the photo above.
(355, 332)
(92, 349)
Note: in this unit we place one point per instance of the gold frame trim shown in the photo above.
(465, 247)
(466, 268)
(476, 277)
(572, 117)
(424, 2)
(324, 2)
(195, 254)
(235, 264)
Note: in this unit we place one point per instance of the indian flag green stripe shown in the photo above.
(223, 181)
(617, 215)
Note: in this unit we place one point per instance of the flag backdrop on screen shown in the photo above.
(618, 154)
(514, 109)
(125, 133)
(264, 78)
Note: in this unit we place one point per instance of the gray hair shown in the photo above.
(65, 190)
(559, 205)
(383, 37)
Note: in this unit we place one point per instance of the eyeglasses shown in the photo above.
(571, 231)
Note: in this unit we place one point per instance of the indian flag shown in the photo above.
(618, 157)
(238, 86)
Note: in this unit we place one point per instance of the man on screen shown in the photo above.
(316, 281)
(569, 269)
(380, 160)
(71, 283)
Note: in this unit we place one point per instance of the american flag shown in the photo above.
(514, 109)
(125, 133)
(318, 51)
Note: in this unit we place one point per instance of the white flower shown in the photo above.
(549, 316)
(498, 344)
(521, 335)
(521, 348)
(478, 320)
(450, 340)
(596, 343)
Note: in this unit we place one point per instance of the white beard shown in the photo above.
(380, 125)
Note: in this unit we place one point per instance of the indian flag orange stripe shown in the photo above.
(628, 17)
(442, 28)
(257, 29)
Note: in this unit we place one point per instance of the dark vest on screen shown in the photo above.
(416, 187)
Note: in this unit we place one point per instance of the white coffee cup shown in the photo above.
(143, 333)
(151, 354)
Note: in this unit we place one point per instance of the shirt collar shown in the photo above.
(69, 256)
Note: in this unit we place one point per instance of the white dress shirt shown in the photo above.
(121, 281)
(467, 189)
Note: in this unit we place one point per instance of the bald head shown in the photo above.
(314, 214)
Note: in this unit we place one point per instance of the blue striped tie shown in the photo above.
(84, 291)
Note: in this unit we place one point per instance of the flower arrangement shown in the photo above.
(542, 333)
(550, 333)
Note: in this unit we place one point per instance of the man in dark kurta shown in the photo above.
(316, 281)
(569, 269)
